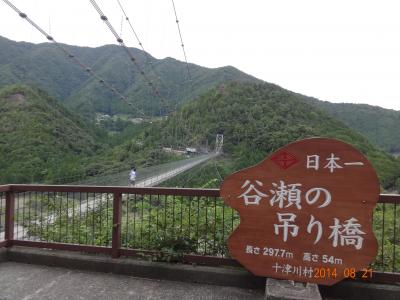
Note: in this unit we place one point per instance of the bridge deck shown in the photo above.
(150, 176)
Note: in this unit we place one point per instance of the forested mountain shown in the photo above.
(39, 139)
(257, 119)
(48, 68)
(381, 126)
(42, 141)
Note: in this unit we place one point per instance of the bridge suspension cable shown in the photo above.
(148, 58)
(189, 76)
(182, 44)
(50, 38)
(128, 52)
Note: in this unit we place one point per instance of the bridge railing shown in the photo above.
(189, 225)
(2, 217)
(387, 231)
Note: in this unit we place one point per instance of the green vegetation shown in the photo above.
(257, 119)
(39, 139)
(169, 224)
(386, 228)
(46, 67)
(381, 126)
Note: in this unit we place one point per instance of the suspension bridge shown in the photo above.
(155, 175)
(147, 177)
(151, 176)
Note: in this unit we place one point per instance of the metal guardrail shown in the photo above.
(2, 217)
(190, 225)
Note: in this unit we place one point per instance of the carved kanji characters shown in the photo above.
(286, 227)
(252, 196)
(347, 234)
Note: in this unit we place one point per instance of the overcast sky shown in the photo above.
(335, 50)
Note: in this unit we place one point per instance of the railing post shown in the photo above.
(116, 230)
(9, 218)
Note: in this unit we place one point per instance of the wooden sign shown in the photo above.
(305, 212)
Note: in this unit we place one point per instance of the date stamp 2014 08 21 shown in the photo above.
(348, 273)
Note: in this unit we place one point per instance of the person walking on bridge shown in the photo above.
(132, 176)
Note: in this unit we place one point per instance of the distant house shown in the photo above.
(102, 117)
(191, 150)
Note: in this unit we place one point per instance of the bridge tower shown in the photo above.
(218, 143)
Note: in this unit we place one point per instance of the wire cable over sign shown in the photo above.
(74, 58)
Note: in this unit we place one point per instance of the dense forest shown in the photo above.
(381, 126)
(46, 67)
(257, 119)
(41, 141)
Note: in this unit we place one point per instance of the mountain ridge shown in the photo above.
(48, 68)
(45, 66)
(257, 119)
(380, 125)
(39, 139)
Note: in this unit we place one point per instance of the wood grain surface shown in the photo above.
(311, 202)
